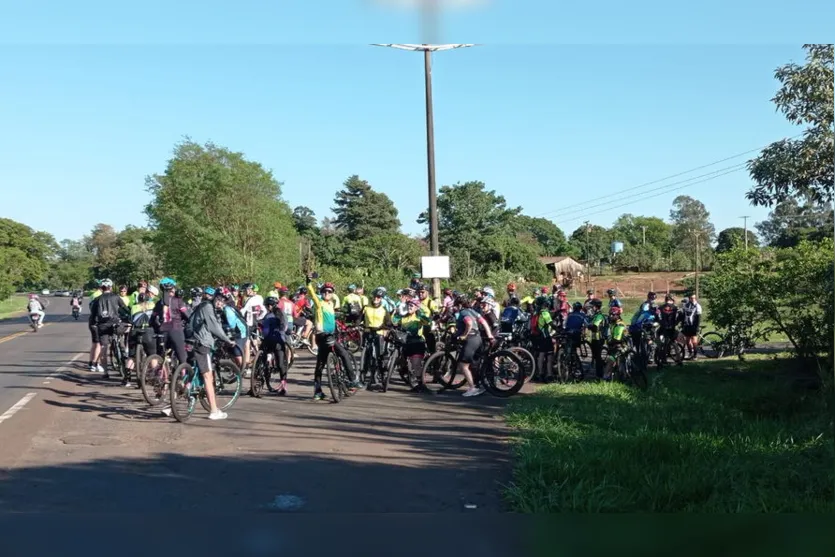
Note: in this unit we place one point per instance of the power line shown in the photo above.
(671, 176)
(665, 187)
(649, 197)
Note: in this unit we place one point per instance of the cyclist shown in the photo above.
(353, 305)
(511, 315)
(575, 322)
(541, 325)
(302, 315)
(617, 340)
(123, 294)
(587, 304)
(287, 308)
(75, 302)
(488, 307)
(468, 323)
(668, 317)
(692, 317)
(431, 308)
(374, 319)
(613, 299)
(233, 322)
(644, 315)
(105, 313)
(141, 332)
(275, 327)
(36, 306)
(253, 311)
(324, 321)
(414, 350)
(415, 282)
(95, 347)
(274, 293)
(388, 303)
(169, 318)
(597, 326)
(405, 295)
(196, 297)
(361, 294)
(490, 294)
(206, 329)
(560, 308)
(141, 288)
(511, 293)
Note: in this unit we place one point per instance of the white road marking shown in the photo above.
(16, 408)
(65, 367)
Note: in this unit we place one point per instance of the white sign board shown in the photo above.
(435, 267)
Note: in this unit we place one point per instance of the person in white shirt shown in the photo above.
(692, 311)
(35, 306)
(253, 311)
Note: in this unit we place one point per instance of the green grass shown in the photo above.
(711, 436)
(13, 305)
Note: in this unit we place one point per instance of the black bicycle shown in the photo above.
(371, 367)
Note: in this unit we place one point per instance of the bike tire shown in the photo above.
(332, 371)
(394, 361)
(153, 378)
(258, 379)
(496, 383)
(180, 393)
(437, 366)
(676, 353)
(138, 360)
(711, 345)
(528, 361)
(584, 350)
(289, 356)
(228, 382)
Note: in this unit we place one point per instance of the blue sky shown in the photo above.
(559, 106)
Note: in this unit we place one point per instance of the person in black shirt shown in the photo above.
(106, 314)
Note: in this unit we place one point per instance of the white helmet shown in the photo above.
(107, 283)
(488, 291)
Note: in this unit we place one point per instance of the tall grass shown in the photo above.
(712, 436)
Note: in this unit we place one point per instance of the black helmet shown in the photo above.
(596, 303)
(271, 302)
(650, 295)
(577, 306)
(589, 292)
(179, 292)
(610, 292)
(669, 298)
(379, 293)
(246, 286)
(196, 292)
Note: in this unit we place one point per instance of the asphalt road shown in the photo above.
(72, 442)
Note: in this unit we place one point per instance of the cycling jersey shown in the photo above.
(668, 316)
(541, 323)
(575, 322)
(430, 306)
(288, 309)
(374, 317)
(692, 313)
(323, 312)
(615, 303)
(618, 334)
(645, 314)
(254, 310)
(467, 316)
(353, 305)
(598, 326)
(511, 315)
(275, 327)
(413, 324)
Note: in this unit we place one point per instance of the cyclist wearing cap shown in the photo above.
(105, 315)
(587, 304)
(468, 324)
(324, 320)
(613, 299)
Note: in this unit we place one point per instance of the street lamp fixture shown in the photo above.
(427, 50)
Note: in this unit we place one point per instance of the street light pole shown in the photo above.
(427, 50)
(745, 230)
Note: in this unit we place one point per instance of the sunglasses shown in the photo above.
(327, 291)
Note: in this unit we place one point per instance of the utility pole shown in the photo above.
(588, 257)
(745, 229)
(696, 260)
(644, 230)
(427, 50)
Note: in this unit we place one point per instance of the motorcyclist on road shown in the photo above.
(35, 306)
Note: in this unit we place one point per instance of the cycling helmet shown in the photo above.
(488, 291)
(589, 292)
(422, 288)
(577, 306)
(223, 292)
(615, 311)
(352, 288)
(379, 292)
(383, 290)
(277, 285)
(301, 289)
(246, 286)
(543, 290)
(209, 291)
(610, 292)
(33, 296)
(511, 287)
(327, 286)
(153, 290)
(596, 303)
(561, 295)
(196, 292)
(283, 290)
(541, 300)
(107, 283)
(447, 291)
(255, 288)
(234, 288)
(166, 283)
(650, 295)
(179, 292)
(408, 292)
(270, 302)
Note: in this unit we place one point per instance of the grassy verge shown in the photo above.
(12, 306)
(712, 436)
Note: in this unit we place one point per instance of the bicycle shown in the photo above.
(117, 354)
(371, 363)
(396, 339)
(263, 363)
(296, 342)
(187, 386)
(668, 347)
(508, 341)
(441, 366)
(568, 363)
(498, 370)
(349, 336)
(338, 380)
(155, 373)
(628, 371)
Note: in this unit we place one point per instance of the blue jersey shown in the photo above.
(615, 303)
(511, 314)
(575, 321)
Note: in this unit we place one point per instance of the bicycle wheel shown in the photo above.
(365, 362)
(394, 361)
(676, 353)
(443, 366)
(584, 350)
(116, 361)
(153, 380)
(332, 370)
(182, 393)
(711, 345)
(503, 374)
(528, 361)
(289, 355)
(258, 380)
(228, 382)
(138, 360)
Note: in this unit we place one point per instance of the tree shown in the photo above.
(24, 256)
(691, 224)
(360, 211)
(593, 243)
(548, 236)
(73, 267)
(136, 257)
(801, 168)
(631, 230)
(217, 216)
(305, 221)
(101, 242)
(734, 237)
(385, 252)
(641, 258)
(789, 223)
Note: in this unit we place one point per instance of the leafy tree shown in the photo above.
(691, 224)
(803, 167)
(305, 221)
(24, 256)
(734, 237)
(789, 223)
(360, 211)
(217, 216)
(136, 257)
(630, 229)
(548, 236)
(73, 267)
(593, 242)
(101, 242)
(641, 258)
(387, 251)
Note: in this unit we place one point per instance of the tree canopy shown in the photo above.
(734, 237)
(24, 256)
(790, 223)
(361, 211)
(802, 167)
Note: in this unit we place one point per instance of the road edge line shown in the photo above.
(17, 407)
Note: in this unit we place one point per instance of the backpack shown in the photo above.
(354, 310)
(239, 316)
(108, 308)
(535, 325)
(194, 322)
